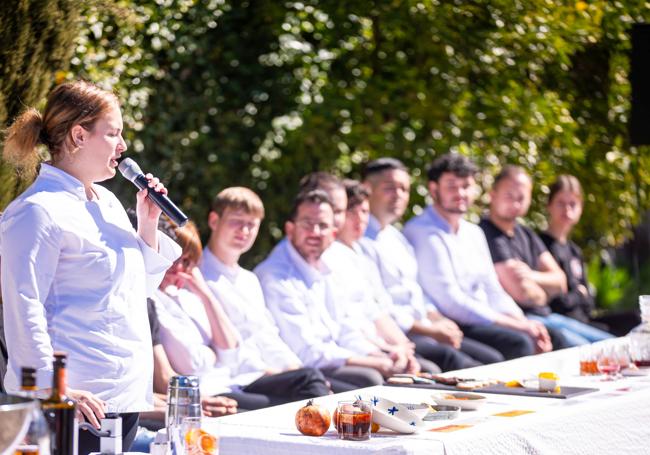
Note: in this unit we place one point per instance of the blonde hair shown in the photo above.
(69, 104)
(238, 198)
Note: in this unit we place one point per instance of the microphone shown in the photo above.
(131, 171)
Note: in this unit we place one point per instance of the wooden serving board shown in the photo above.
(565, 392)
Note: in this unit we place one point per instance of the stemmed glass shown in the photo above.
(611, 359)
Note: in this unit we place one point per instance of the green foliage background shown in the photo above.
(219, 93)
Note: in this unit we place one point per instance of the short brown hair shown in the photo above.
(509, 172)
(565, 182)
(356, 192)
(238, 198)
(69, 104)
(317, 196)
(320, 180)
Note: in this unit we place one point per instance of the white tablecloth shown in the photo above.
(616, 419)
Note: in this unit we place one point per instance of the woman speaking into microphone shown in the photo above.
(75, 275)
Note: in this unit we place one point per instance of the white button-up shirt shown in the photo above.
(241, 296)
(363, 300)
(186, 335)
(456, 270)
(75, 278)
(395, 258)
(303, 301)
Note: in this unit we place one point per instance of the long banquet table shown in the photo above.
(615, 419)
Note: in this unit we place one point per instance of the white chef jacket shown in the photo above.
(75, 278)
(241, 296)
(349, 273)
(303, 302)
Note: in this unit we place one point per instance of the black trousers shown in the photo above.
(293, 385)
(90, 443)
(443, 355)
(480, 351)
(618, 323)
(510, 343)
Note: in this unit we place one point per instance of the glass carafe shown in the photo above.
(640, 336)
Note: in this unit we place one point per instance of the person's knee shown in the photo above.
(372, 377)
(521, 345)
(312, 374)
(456, 360)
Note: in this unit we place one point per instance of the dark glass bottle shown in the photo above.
(59, 411)
(37, 439)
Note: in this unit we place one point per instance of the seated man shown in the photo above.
(364, 299)
(455, 268)
(436, 337)
(303, 297)
(199, 339)
(234, 222)
(525, 268)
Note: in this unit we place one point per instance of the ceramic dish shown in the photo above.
(394, 416)
(442, 412)
(465, 400)
(420, 410)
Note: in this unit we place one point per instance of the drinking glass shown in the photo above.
(588, 360)
(609, 361)
(354, 419)
(195, 440)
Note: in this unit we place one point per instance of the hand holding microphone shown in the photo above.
(131, 171)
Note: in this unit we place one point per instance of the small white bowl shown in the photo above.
(394, 416)
(419, 410)
(465, 400)
(443, 412)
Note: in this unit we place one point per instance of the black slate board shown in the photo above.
(566, 392)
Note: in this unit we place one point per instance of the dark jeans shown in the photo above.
(281, 388)
(348, 377)
(443, 355)
(480, 351)
(90, 443)
(558, 339)
(510, 343)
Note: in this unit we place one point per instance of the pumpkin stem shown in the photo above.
(309, 403)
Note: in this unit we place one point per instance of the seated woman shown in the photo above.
(199, 339)
(565, 209)
(151, 421)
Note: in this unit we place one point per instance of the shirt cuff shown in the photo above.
(228, 357)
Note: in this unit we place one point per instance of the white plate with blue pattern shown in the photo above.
(394, 416)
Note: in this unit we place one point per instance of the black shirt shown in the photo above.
(569, 257)
(524, 245)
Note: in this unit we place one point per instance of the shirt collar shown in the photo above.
(438, 220)
(308, 271)
(231, 272)
(66, 181)
(487, 219)
(373, 228)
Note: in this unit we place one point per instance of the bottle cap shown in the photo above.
(60, 357)
(184, 381)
